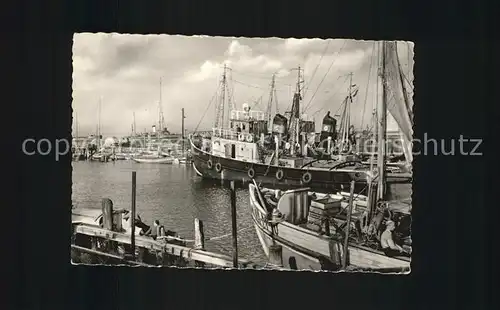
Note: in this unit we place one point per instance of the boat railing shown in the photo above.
(225, 134)
(245, 116)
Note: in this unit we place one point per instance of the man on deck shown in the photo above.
(387, 243)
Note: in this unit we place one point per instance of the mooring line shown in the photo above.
(229, 234)
(207, 239)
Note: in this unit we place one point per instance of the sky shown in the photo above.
(123, 72)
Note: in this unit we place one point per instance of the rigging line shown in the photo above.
(367, 87)
(258, 75)
(316, 69)
(321, 82)
(230, 90)
(334, 93)
(206, 239)
(256, 102)
(257, 87)
(208, 106)
(259, 99)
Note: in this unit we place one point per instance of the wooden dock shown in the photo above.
(104, 244)
(102, 240)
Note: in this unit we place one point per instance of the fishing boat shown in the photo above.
(301, 219)
(288, 156)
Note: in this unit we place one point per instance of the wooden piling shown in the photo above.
(199, 240)
(276, 255)
(107, 213)
(348, 226)
(132, 217)
(233, 222)
(199, 235)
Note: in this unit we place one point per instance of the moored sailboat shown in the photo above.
(300, 220)
(311, 228)
(154, 160)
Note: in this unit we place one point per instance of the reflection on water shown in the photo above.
(174, 195)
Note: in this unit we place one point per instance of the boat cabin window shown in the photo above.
(232, 125)
(243, 126)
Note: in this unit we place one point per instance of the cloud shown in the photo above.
(126, 69)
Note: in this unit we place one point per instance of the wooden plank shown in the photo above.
(362, 258)
(308, 240)
(95, 252)
(172, 249)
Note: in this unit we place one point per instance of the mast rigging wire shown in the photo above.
(316, 69)
(367, 86)
(208, 106)
(321, 82)
(334, 93)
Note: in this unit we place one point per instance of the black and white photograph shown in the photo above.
(242, 153)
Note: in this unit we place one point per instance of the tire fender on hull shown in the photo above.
(218, 167)
(307, 177)
(251, 173)
(280, 174)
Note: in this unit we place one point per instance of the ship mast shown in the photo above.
(382, 126)
(295, 114)
(161, 120)
(345, 121)
(272, 94)
(99, 124)
(182, 128)
(219, 120)
(134, 131)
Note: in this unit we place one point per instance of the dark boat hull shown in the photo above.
(231, 169)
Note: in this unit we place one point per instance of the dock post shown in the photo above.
(132, 217)
(107, 213)
(233, 222)
(276, 255)
(348, 227)
(199, 235)
(199, 239)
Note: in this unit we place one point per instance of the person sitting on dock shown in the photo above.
(387, 243)
(156, 231)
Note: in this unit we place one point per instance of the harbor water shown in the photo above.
(174, 195)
